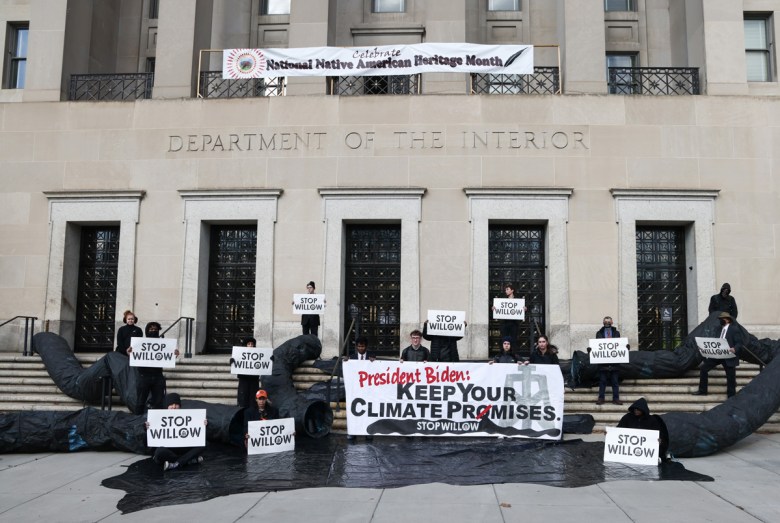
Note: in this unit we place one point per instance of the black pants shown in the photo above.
(154, 384)
(310, 330)
(247, 388)
(731, 375)
(181, 455)
(510, 329)
(613, 375)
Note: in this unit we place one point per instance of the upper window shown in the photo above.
(389, 6)
(758, 45)
(620, 76)
(16, 56)
(503, 5)
(619, 5)
(275, 7)
(154, 9)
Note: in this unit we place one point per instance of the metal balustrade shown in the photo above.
(373, 85)
(100, 87)
(653, 81)
(544, 80)
(212, 85)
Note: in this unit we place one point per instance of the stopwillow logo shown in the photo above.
(245, 63)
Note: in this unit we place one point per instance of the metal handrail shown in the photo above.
(29, 330)
(338, 364)
(187, 334)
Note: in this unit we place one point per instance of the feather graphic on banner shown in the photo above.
(515, 56)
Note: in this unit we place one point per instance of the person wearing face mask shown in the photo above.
(608, 372)
(733, 338)
(724, 301)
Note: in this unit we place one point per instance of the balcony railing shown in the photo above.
(96, 87)
(212, 85)
(369, 85)
(653, 81)
(544, 80)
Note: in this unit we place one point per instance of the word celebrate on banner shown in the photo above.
(270, 436)
(153, 352)
(455, 399)
(634, 446)
(308, 303)
(716, 348)
(252, 361)
(176, 428)
(447, 323)
(608, 350)
(508, 309)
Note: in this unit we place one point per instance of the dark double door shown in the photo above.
(231, 286)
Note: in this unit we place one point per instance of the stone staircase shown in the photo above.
(25, 385)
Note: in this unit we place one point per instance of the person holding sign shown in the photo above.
(443, 348)
(732, 337)
(150, 379)
(639, 417)
(247, 383)
(172, 458)
(415, 351)
(261, 410)
(310, 323)
(724, 301)
(608, 371)
(510, 328)
(506, 355)
(544, 354)
(127, 331)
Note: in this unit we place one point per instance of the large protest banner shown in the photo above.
(378, 60)
(269, 436)
(176, 428)
(716, 348)
(308, 303)
(455, 399)
(634, 446)
(153, 352)
(251, 361)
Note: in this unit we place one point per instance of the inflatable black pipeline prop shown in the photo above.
(89, 428)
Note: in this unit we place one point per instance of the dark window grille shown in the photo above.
(653, 81)
(97, 87)
(360, 85)
(373, 285)
(516, 255)
(231, 287)
(660, 278)
(544, 80)
(96, 298)
(212, 85)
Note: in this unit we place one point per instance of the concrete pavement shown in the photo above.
(66, 488)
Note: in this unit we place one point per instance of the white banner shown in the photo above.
(251, 361)
(455, 399)
(635, 446)
(308, 303)
(716, 348)
(446, 323)
(153, 352)
(608, 350)
(176, 428)
(269, 436)
(378, 60)
(508, 309)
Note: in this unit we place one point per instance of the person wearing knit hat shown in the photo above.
(506, 355)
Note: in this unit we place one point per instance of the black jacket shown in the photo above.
(504, 357)
(412, 354)
(550, 358)
(727, 304)
(252, 413)
(443, 348)
(310, 320)
(734, 339)
(123, 336)
(601, 333)
(646, 422)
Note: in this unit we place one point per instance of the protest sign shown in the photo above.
(634, 446)
(308, 303)
(176, 428)
(508, 309)
(153, 352)
(608, 350)
(269, 436)
(251, 361)
(446, 323)
(455, 399)
(716, 348)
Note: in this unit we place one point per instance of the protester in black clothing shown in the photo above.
(443, 348)
(608, 371)
(639, 417)
(506, 355)
(544, 353)
(361, 351)
(127, 331)
(259, 411)
(150, 379)
(310, 323)
(175, 457)
(724, 301)
(510, 328)
(415, 351)
(734, 340)
(247, 383)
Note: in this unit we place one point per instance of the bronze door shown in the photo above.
(96, 298)
(231, 294)
(516, 255)
(373, 286)
(661, 290)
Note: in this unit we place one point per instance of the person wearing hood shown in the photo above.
(639, 417)
(150, 379)
(247, 383)
(724, 301)
(173, 458)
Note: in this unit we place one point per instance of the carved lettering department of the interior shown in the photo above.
(563, 140)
